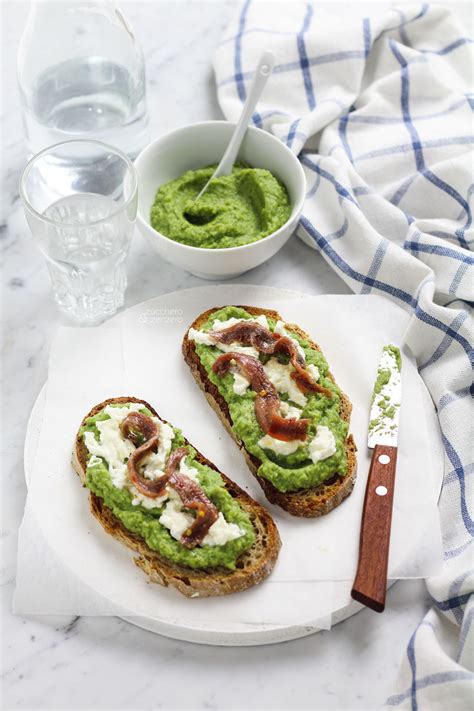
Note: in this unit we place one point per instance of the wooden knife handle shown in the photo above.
(370, 583)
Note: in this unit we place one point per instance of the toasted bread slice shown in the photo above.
(309, 503)
(253, 566)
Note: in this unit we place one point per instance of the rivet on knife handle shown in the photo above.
(370, 583)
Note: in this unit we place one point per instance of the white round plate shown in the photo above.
(229, 634)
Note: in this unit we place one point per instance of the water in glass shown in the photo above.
(87, 96)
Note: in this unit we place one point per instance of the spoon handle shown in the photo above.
(262, 73)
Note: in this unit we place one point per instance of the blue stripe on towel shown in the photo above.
(238, 75)
(459, 471)
(304, 63)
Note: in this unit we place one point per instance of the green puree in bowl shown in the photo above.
(237, 209)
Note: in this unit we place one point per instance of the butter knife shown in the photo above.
(370, 583)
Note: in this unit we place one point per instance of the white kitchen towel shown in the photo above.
(379, 110)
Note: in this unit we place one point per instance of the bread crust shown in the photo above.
(309, 503)
(253, 566)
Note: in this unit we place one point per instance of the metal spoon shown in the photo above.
(262, 73)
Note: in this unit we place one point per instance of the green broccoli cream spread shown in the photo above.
(236, 209)
(144, 522)
(294, 471)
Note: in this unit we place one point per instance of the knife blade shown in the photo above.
(386, 398)
(370, 582)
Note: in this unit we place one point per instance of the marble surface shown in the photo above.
(73, 663)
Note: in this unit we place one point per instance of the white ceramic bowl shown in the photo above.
(196, 146)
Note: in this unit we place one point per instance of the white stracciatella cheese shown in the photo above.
(313, 370)
(278, 446)
(221, 325)
(174, 518)
(241, 383)
(289, 412)
(279, 375)
(323, 445)
(222, 532)
(190, 472)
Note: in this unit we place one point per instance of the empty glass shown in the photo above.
(80, 200)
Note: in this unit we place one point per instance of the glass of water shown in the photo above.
(80, 200)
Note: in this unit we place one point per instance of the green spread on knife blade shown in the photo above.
(382, 400)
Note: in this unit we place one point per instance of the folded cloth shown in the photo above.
(379, 110)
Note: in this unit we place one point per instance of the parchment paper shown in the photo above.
(139, 354)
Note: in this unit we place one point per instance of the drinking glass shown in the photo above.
(80, 200)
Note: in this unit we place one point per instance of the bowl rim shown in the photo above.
(296, 208)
